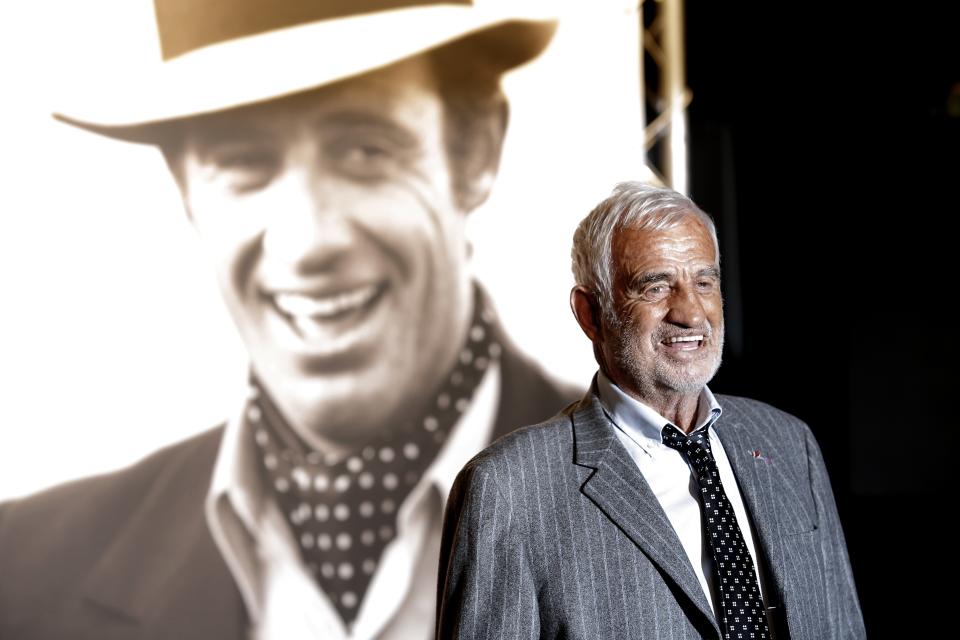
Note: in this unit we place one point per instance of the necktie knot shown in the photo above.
(693, 446)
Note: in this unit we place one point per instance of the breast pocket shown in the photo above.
(797, 511)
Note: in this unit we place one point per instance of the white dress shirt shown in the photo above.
(282, 598)
(671, 478)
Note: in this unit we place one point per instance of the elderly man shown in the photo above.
(652, 508)
(330, 180)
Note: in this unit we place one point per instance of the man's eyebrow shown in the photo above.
(352, 119)
(643, 279)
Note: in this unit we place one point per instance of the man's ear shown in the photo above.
(480, 156)
(586, 309)
(589, 315)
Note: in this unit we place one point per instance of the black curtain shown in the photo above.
(825, 140)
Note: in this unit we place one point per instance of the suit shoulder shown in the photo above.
(91, 504)
(762, 413)
(52, 542)
(511, 472)
(517, 449)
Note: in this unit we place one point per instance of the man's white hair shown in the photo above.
(632, 205)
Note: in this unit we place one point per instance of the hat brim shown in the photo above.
(287, 61)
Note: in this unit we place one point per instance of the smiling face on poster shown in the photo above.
(325, 234)
(339, 244)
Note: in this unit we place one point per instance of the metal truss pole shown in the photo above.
(663, 40)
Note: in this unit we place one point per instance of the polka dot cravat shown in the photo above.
(343, 513)
(742, 615)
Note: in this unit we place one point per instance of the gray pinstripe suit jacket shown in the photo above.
(552, 532)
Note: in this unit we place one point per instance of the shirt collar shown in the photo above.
(641, 422)
(235, 475)
(234, 505)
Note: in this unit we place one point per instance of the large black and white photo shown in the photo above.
(326, 163)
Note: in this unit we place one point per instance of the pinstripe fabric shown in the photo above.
(552, 532)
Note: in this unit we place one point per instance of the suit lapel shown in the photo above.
(163, 574)
(769, 488)
(618, 488)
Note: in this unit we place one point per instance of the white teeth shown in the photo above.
(302, 307)
(308, 328)
(684, 339)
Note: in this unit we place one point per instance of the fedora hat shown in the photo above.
(221, 54)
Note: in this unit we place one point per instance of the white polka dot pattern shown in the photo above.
(742, 616)
(343, 514)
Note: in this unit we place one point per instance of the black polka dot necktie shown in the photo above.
(344, 513)
(742, 615)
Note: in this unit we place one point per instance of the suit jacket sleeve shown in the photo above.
(843, 613)
(485, 588)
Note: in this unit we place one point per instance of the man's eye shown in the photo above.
(365, 154)
(366, 158)
(245, 169)
(656, 292)
(706, 285)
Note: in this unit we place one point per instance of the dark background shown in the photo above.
(825, 143)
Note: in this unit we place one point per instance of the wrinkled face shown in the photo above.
(337, 244)
(665, 335)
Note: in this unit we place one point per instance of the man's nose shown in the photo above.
(686, 308)
(306, 228)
